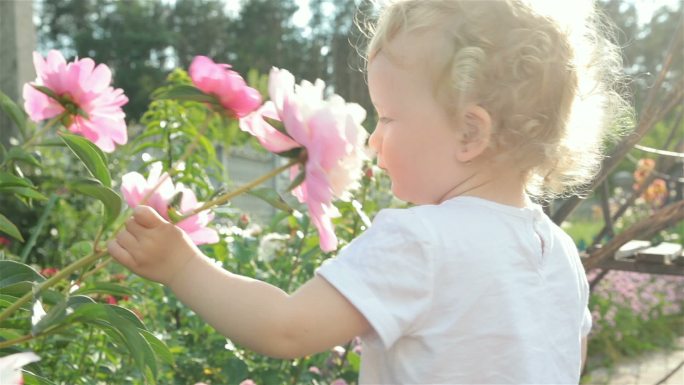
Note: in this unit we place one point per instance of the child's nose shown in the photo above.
(375, 139)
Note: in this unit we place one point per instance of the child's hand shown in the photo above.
(152, 247)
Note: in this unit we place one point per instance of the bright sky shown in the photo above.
(645, 8)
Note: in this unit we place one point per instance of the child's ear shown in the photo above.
(475, 133)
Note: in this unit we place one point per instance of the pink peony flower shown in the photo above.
(339, 381)
(134, 188)
(92, 107)
(227, 85)
(330, 130)
(10, 367)
(248, 382)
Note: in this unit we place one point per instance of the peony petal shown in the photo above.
(76, 77)
(99, 79)
(204, 236)
(133, 187)
(39, 106)
(272, 139)
(328, 145)
(10, 367)
(247, 100)
(88, 87)
(280, 84)
(293, 119)
(323, 223)
(227, 85)
(202, 73)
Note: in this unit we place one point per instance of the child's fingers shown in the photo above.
(147, 217)
(133, 227)
(120, 254)
(127, 240)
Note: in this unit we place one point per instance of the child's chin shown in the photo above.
(402, 194)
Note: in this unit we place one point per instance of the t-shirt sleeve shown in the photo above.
(386, 273)
(586, 322)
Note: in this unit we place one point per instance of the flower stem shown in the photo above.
(174, 169)
(42, 131)
(240, 190)
(50, 282)
(29, 337)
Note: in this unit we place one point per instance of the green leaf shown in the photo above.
(297, 181)
(58, 313)
(34, 379)
(117, 319)
(12, 272)
(104, 288)
(277, 124)
(9, 180)
(19, 155)
(51, 142)
(23, 192)
(111, 200)
(9, 334)
(46, 91)
(15, 113)
(91, 156)
(81, 249)
(354, 360)
(292, 154)
(9, 228)
(271, 197)
(7, 300)
(188, 93)
(18, 289)
(160, 349)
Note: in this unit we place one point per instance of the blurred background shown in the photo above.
(143, 41)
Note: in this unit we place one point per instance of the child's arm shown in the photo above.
(584, 353)
(252, 313)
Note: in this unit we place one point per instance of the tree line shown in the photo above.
(143, 39)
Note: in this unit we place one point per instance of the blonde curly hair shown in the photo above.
(546, 71)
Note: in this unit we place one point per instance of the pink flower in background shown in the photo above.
(10, 367)
(135, 187)
(227, 85)
(83, 91)
(49, 272)
(329, 129)
(5, 242)
(248, 382)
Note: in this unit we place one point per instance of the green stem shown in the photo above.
(298, 254)
(49, 283)
(240, 190)
(85, 350)
(29, 337)
(40, 132)
(85, 270)
(39, 226)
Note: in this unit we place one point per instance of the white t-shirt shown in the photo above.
(466, 292)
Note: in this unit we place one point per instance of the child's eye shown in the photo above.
(385, 120)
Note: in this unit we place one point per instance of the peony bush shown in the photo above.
(70, 179)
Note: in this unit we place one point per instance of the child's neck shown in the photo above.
(504, 187)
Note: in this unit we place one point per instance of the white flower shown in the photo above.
(269, 246)
(10, 367)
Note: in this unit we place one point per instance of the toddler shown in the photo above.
(483, 106)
